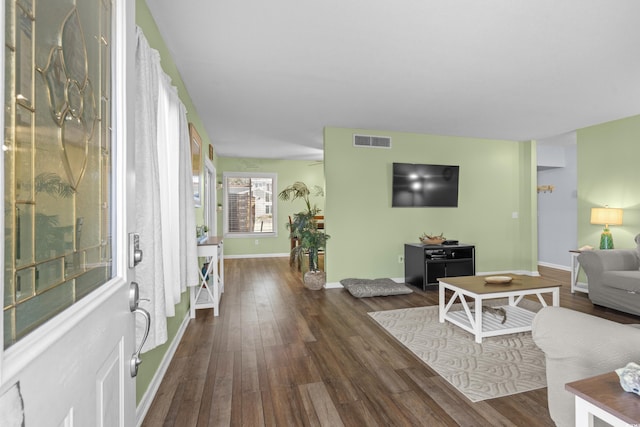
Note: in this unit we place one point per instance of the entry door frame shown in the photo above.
(211, 198)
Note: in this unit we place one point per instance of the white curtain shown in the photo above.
(165, 216)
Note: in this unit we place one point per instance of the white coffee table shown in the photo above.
(473, 289)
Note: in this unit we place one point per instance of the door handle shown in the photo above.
(135, 358)
(134, 298)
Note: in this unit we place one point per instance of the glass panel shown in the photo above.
(24, 58)
(90, 281)
(27, 5)
(239, 205)
(24, 239)
(36, 311)
(23, 154)
(25, 284)
(57, 157)
(8, 292)
(73, 265)
(9, 29)
(9, 326)
(48, 274)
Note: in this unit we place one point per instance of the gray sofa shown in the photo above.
(577, 346)
(614, 277)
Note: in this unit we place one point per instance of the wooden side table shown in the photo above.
(602, 396)
(575, 272)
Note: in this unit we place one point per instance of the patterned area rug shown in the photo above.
(500, 366)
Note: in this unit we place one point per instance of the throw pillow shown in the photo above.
(361, 288)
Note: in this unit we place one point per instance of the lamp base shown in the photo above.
(606, 239)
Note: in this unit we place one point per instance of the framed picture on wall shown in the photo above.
(196, 163)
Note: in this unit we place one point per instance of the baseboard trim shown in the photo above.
(337, 285)
(520, 272)
(281, 255)
(147, 398)
(556, 266)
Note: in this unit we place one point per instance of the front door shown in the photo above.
(68, 328)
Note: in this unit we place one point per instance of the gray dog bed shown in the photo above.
(361, 288)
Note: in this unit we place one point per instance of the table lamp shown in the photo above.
(606, 216)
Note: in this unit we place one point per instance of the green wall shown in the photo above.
(497, 178)
(308, 171)
(152, 359)
(609, 174)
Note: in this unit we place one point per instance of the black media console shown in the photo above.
(424, 264)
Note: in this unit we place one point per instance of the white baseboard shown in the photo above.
(337, 285)
(285, 255)
(147, 398)
(520, 272)
(556, 266)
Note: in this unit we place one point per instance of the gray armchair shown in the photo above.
(578, 346)
(614, 277)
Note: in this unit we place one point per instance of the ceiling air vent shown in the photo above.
(371, 141)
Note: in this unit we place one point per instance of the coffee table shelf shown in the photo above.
(518, 320)
(471, 291)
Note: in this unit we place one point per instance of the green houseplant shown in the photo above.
(304, 227)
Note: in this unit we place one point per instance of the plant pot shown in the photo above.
(315, 280)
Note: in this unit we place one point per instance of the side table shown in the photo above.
(208, 292)
(575, 272)
(602, 396)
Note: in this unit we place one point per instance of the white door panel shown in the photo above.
(82, 376)
(73, 369)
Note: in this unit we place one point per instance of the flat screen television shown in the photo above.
(416, 185)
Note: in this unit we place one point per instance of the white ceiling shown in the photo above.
(267, 76)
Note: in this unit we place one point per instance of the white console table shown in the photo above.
(575, 271)
(208, 292)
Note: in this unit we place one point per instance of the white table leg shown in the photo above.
(478, 325)
(221, 259)
(583, 416)
(575, 270)
(555, 297)
(192, 299)
(215, 282)
(586, 411)
(441, 311)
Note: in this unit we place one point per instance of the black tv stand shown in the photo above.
(425, 264)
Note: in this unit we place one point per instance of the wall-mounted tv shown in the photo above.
(416, 185)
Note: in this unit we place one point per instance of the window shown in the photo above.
(248, 204)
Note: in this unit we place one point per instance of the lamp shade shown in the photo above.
(606, 216)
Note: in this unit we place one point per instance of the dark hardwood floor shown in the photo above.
(282, 355)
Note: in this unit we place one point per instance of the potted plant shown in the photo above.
(304, 227)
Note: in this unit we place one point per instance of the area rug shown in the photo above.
(500, 366)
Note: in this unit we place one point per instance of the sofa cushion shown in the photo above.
(625, 280)
(360, 288)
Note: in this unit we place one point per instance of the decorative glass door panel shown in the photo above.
(57, 157)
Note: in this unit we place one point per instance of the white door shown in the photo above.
(68, 328)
